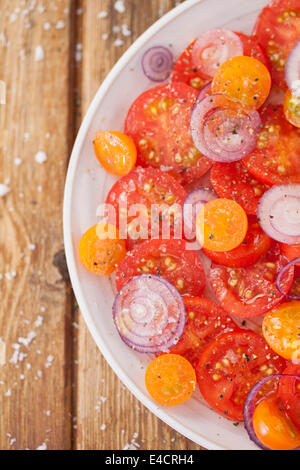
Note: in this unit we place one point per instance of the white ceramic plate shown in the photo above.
(88, 184)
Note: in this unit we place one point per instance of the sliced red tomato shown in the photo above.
(276, 159)
(255, 245)
(278, 30)
(250, 292)
(290, 251)
(186, 72)
(159, 123)
(167, 258)
(146, 187)
(289, 391)
(233, 181)
(229, 368)
(205, 321)
(252, 48)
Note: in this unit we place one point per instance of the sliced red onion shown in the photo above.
(157, 63)
(222, 130)
(149, 314)
(292, 70)
(250, 407)
(213, 48)
(279, 213)
(279, 279)
(191, 206)
(204, 92)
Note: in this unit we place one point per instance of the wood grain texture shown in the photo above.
(108, 416)
(56, 389)
(35, 301)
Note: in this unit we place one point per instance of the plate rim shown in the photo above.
(67, 235)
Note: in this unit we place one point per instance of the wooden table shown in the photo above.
(56, 390)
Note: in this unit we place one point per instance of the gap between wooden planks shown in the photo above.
(77, 402)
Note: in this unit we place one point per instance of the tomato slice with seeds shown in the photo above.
(245, 80)
(185, 71)
(278, 29)
(273, 427)
(170, 379)
(168, 258)
(147, 187)
(276, 159)
(205, 321)
(292, 108)
(281, 330)
(255, 245)
(289, 392)
(250, 292)
(233, 181)
(221, 225)
(229, 368)
(159, 123)
(252, 48)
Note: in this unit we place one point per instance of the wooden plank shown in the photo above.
(35, 308)
(108, 416)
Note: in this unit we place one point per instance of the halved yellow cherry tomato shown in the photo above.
(221, 225)
(273, 427)
(116, 152)
(281, 329)
(100, 249)
(292, 108)
(170, 379)
(245, 80)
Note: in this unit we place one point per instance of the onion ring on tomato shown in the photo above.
(149, 314)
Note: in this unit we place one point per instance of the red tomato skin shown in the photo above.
(255, 279)
(278, 35)
(289, 392)
(189, 267)
(219, 383)
(290, 251)
(185, 71)
(233, 181)
(209, 321)
(278, 160)
(255, 245)
(167, 133)
(252, 48)
(133, 186)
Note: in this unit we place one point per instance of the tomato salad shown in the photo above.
(194, 267)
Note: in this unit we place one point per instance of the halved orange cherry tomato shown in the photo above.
(170, 379)
(100, 249)
(244, 80)
(221, 225)
(273, 427)
(292, 108)
(281, 328)
(116, 152)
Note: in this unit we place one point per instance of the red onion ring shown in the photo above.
(213, 48)
(204, 92)
(157, 63)
(292, 70)
(149, 314)
(222, 130)
(279, 278)
(279, 213)
(250, 408)
(191, 206)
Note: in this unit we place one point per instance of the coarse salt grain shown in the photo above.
(4, 189)
(41, 157)
(102, 14)
(119, 6)
(18, 161)
(39, 54)
(118, 42)
(60, 24)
